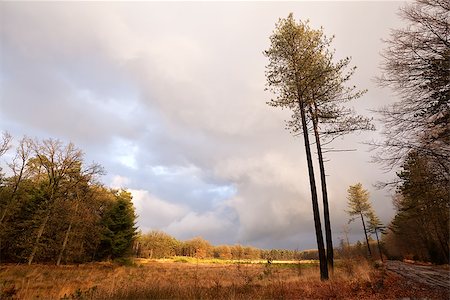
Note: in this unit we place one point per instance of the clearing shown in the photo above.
(159, 279)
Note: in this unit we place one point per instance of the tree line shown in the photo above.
(53, 208)
(158, 244)
(417, 132)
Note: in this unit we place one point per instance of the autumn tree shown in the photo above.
(197, 247)
(359, 207)
(158, 244)
(417, 67)
(54, 164)
(223, 252)
(54, 209)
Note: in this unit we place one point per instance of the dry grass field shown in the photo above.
(205, 280)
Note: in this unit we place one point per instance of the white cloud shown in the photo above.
(212, 226)
(120, 182)
(155, 213)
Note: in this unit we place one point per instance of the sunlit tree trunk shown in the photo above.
(315, 204)
(365, 233)
(66, 237)
(326, 211)
(38, 237)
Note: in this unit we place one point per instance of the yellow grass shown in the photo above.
(165, 279)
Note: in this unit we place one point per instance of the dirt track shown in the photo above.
(430, 275)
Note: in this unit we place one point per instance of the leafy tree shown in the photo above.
(158, 244)
(223, 252)
(53, 209)
(359, 207)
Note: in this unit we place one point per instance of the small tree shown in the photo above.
(375, 226)
(359, 206)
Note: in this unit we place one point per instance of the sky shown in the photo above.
(169, 97)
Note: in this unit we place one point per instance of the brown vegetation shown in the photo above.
(152, 279)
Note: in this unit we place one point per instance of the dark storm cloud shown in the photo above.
(169, 97)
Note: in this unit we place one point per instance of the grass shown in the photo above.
(203, 279)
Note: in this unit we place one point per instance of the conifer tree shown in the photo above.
(119, 227)
(359, 206)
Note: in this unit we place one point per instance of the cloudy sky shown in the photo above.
(169, 98)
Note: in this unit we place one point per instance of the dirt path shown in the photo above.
(430, 275)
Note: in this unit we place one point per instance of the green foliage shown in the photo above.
(423, 207)
(119, 227)
(52, 208)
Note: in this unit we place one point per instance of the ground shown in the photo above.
(205, 279)
(432, 276)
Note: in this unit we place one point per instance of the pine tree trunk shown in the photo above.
(365, 233)
(315, 204)
(326, 211)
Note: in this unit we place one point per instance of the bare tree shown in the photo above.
(17, 166)
(417, 66)
(57, 162)
(5, 143)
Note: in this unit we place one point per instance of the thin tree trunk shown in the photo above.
(326, 211)
(378, 243)
(66, 238)
(365, 233)
(315, 204)
(13, 196)
(38, 237)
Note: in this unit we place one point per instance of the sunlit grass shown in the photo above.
(199, 279)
